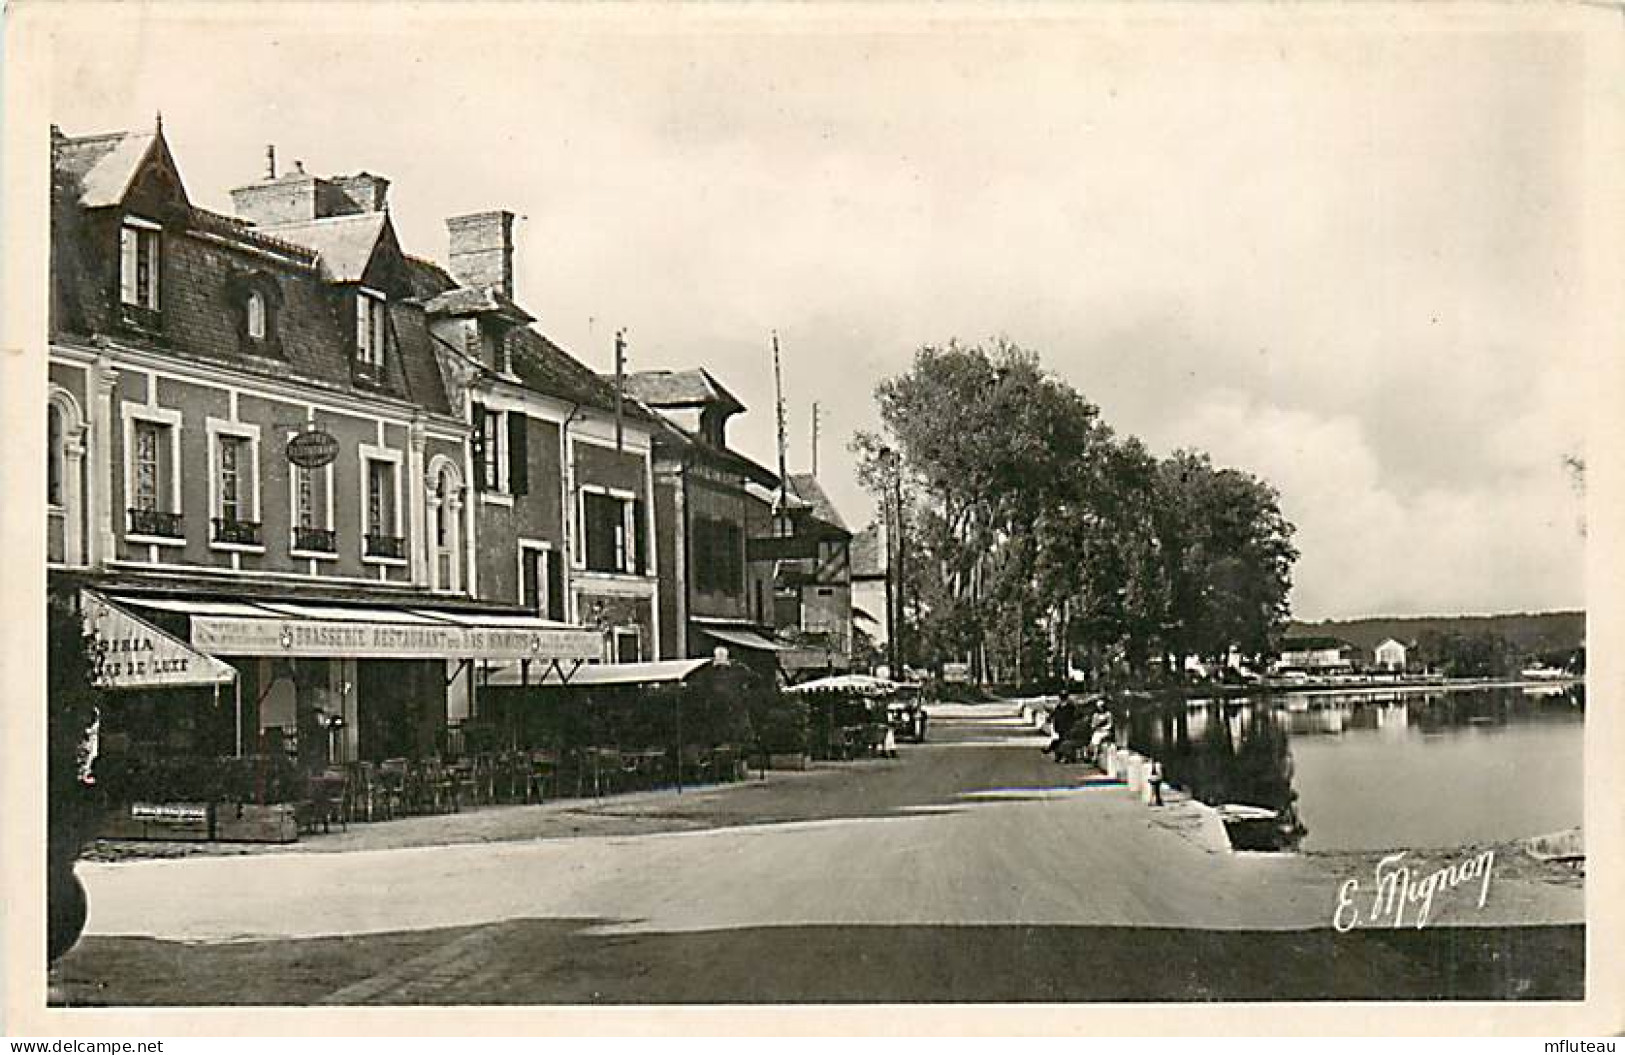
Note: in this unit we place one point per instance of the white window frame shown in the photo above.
(625, 558)
(166, 418)
(133, 233)
(217, 428)
(447, 515)
(616, 633)
(68, 454)
(293, 509)
(370, 454)
(56, 453)
(526, 547)
(501, 494)
(371, 331)
(254, 315)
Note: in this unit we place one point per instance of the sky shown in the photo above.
(1348, 262)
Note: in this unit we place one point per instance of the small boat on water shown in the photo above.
(1540, 672)
(1257, 828)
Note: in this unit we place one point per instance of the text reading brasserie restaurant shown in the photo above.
(196, 681)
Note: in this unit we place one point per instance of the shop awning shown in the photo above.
(138, 655)
(742, 638)
(304, 629)
(599, 674)
(854, 684)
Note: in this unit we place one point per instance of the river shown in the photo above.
(1413, 769)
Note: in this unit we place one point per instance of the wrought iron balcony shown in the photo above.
(155, 524)
(386, 546)
(315, 540)
(237, 532)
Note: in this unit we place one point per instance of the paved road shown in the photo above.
(971, 868)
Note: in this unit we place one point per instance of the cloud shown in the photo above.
(1369, 547)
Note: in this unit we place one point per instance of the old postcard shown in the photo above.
(1007, 511)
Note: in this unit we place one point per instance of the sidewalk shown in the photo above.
(631, 813)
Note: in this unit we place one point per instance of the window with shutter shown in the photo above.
(128, 238)
(477, 443)
(518, 454)
(555, 585)
(640, 556)
(138, 265)
(531, 578)
(370, 328)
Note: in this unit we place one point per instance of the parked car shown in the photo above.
(907, 718)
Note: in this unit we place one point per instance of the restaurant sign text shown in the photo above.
(226, 636)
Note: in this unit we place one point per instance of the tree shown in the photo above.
(1037, 537)
(1227, 557)
(988, 443)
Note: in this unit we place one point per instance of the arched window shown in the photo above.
(66, 534)
(256, 315)
(54, 454)
(443, 497)
(442, 492)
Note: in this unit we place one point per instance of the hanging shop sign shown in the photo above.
(230, 636)
(137, 655)
(313, 449)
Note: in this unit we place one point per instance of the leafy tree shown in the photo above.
(1036, 538)
(1227, 556)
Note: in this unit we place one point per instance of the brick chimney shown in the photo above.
(363, 192)
(298, 197)
(290, 198)
(482, 250)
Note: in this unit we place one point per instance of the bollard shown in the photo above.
(1136, 773)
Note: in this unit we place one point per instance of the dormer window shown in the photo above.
(369, 328)
(138, 264)
(255, 311)
(256, 299)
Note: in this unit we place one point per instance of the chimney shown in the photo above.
(363, 192)
(482, 250)
(270, 161)
(276, 199)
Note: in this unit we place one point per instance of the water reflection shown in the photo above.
(1383, 769)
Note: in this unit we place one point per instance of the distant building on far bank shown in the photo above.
(1316, 655)
(1390, 655)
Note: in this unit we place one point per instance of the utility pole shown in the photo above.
(898, 570)
(778, 405)
(620, 379)
(815, 414)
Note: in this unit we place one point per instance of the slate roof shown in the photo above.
(207, 257)
(544, 367)
(467, 300)
(680, 388)
(343, 244)
(669, 434)
(428, 279)
(420, 367)
(806, 487)
(104, 165)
